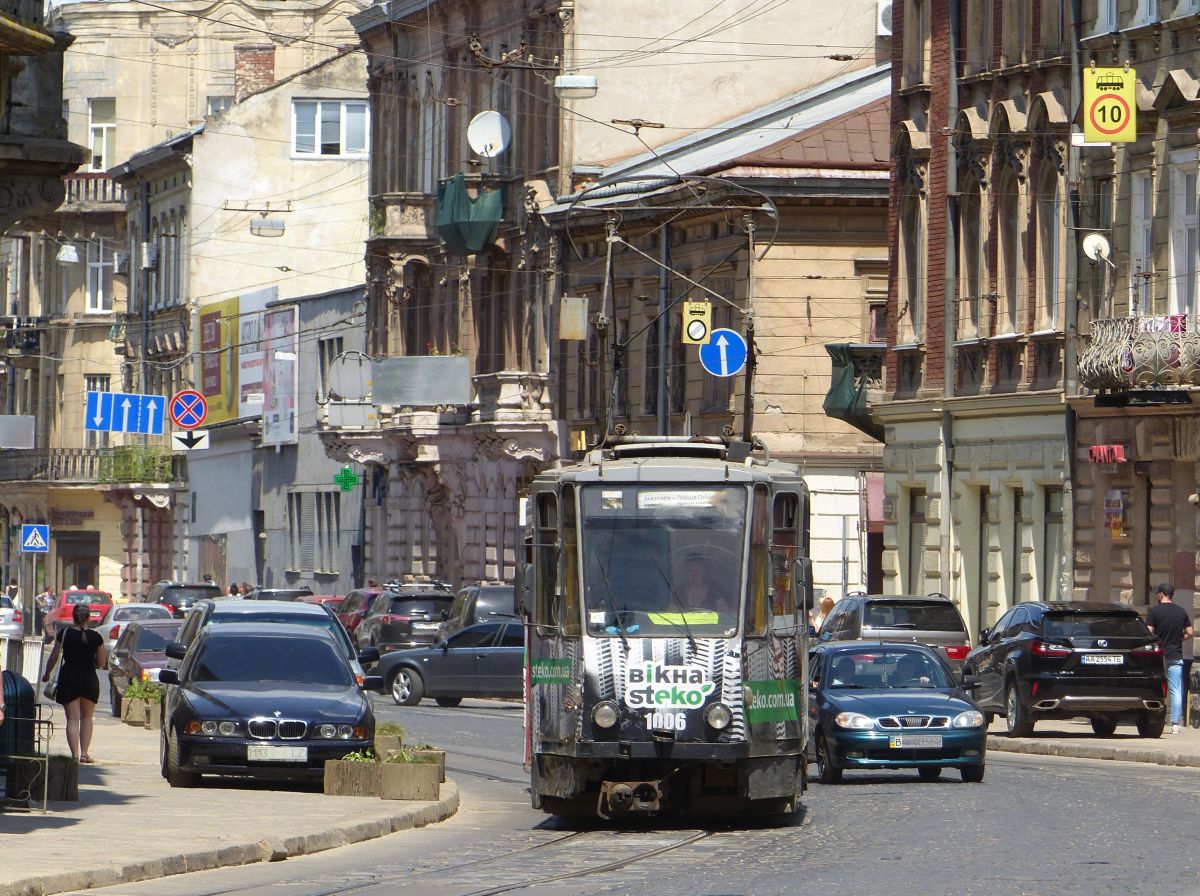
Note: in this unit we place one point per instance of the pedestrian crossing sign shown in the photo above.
(35, 539)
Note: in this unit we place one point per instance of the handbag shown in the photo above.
(50, 689)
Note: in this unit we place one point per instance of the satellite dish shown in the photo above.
(1096, 247)
(489, 134)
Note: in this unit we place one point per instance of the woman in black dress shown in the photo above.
(83, 653)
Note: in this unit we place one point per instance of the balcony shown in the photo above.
(510, 396)
(93, 191)
(403, 216)
(857, 368)
(1136, 353)
(113, 466)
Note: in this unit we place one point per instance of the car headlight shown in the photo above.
(853, 720)
(345, 732)
(718, 716)
(212, 727)
(605, 714)
(972, 718)
(228, 729)
(327, 731)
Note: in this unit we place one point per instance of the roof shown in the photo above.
(273, 630)
(233, 607)
(1081, 606)
(857, 138)
(152, 155)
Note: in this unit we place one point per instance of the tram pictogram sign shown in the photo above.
(1110, 105)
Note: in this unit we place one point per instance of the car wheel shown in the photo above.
(176, 776)
(827, 773)
(406, 687)
(972, 774)
(1104, 726)
(1019, 723)
(448, 701)
(114, 698)
(930, 772)
(1149, 725)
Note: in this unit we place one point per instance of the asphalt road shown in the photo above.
(1036, 826)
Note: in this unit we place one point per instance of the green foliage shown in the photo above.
(360, 756)
(136, 463)
(389, 729)
(143, 690)
(410, 755)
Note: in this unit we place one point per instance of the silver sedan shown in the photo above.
(120, 615)
(12, 624)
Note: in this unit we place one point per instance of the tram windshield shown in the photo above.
(662, 560)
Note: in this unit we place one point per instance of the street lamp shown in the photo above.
(575, 87)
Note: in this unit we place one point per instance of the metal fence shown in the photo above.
(127, 463)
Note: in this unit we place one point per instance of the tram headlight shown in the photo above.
(605, 714)
(853, 720)
(718, 716)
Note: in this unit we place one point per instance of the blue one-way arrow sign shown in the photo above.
(724, 354)
(125, 412)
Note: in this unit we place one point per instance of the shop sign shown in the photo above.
(1107, 454)
(70, 517)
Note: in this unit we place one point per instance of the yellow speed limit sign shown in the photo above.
(1109, 106)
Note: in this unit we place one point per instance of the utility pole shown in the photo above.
(664, 296)
(605, 415)
(748, 395)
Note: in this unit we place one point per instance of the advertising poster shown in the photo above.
(279, 425)
(251, 308)
(218, 357)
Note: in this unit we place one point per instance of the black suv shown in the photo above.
(404, 614)
(481, 602)
(1067, 659)
(178, 598)
(930, 619)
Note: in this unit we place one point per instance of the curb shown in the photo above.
(1090, 751)
(269, 849)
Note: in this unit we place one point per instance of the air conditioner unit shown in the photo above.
(883, 18)
(149, 257)
(121, 264)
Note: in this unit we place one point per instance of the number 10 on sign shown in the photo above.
(1109, 105)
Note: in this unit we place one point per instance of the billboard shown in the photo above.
(231, 355)
(279, 424)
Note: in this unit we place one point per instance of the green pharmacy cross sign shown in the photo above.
(346, 479)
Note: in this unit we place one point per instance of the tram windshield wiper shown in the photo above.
(612, 606)
(679, 600)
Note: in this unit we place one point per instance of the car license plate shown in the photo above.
(1102, 659)
(425, 626)
(275, 753)
(918, 741)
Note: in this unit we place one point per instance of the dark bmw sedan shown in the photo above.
(888, 706)
(1068, 659)
(264, 701)
(485, 660)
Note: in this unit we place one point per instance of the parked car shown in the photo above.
(331, 602)
(484, 660)
(120, 615)
(12, 623)
(404, 616)
(930, 619)
(211, 612)
(283, 594)
(60, 615)
(1067, 659)
(142, 647)
(353, 609)
(481, 602)
(178, 598)
(219, 718)
(892, 705)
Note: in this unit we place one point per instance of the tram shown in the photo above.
(665, 597)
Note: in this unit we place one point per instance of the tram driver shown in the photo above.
(700, 591)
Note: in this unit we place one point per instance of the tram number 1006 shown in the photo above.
(665, 721)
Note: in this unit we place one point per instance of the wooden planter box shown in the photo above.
(24, 781)
(139, 712)
(351, 778)
(387, 743)
(439, 761)
(409, 780)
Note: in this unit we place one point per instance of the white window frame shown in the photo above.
(1147, 13)
(1185, 232)
(1107, 17)
(1187, 8)
(107, 131)
(1141, 245)
(342, 107)
(100, 269)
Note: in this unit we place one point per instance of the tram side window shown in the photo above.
(757, 607)
(546, 548)
(783, 559)
(568, 613)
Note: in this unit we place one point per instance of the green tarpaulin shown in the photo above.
(846, 399)
(466, 223)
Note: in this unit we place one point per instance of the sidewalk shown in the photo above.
(128, 825)
(1074, 738)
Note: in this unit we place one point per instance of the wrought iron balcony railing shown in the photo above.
(1130, 353)
(124, 464)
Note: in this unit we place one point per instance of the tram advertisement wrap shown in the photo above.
(547, 670)
(654, 686)
(772, 701)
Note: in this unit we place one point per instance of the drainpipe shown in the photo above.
(143, 372)
(950, 328)
(1070, 320)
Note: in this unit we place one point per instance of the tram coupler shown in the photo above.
(624, 797)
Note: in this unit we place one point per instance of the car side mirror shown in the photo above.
(445, 645)
(524, 584)
(373, 683)
(176, 650)
(970, 683)
(444, 615)
(983, 636)
(168, 676)
(368, 654)
(121, 651)
(802, 581)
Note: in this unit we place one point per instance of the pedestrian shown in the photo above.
(42, 604)
(816, 617)
(246, 589)
(82, 651)
(14, 594)
(1171, 624)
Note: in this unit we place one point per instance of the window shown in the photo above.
(314, 527)
(217, 104)
(1011, 249)
(1141, 249)
(1106, 17)
(971, 249)
(1147, 13)
(96, 382)
(915, 573)
(1185, 235)
(546, 559)
(1050, 569)
(916, 36)
(979, 25)
(327, 350)
(330, 128)
(1050, 232)
(877, 322)
(912, 265)
(677, 372)
(1015, 25)
(1016, 543)
(1055, 23)
(621, 377)
(102, 115)
(650, 380)
(99, 276)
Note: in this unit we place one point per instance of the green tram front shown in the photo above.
(667, 641)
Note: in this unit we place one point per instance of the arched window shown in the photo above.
(911, 288)
(972, 284)
(1010, 232)
(1050, 232)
